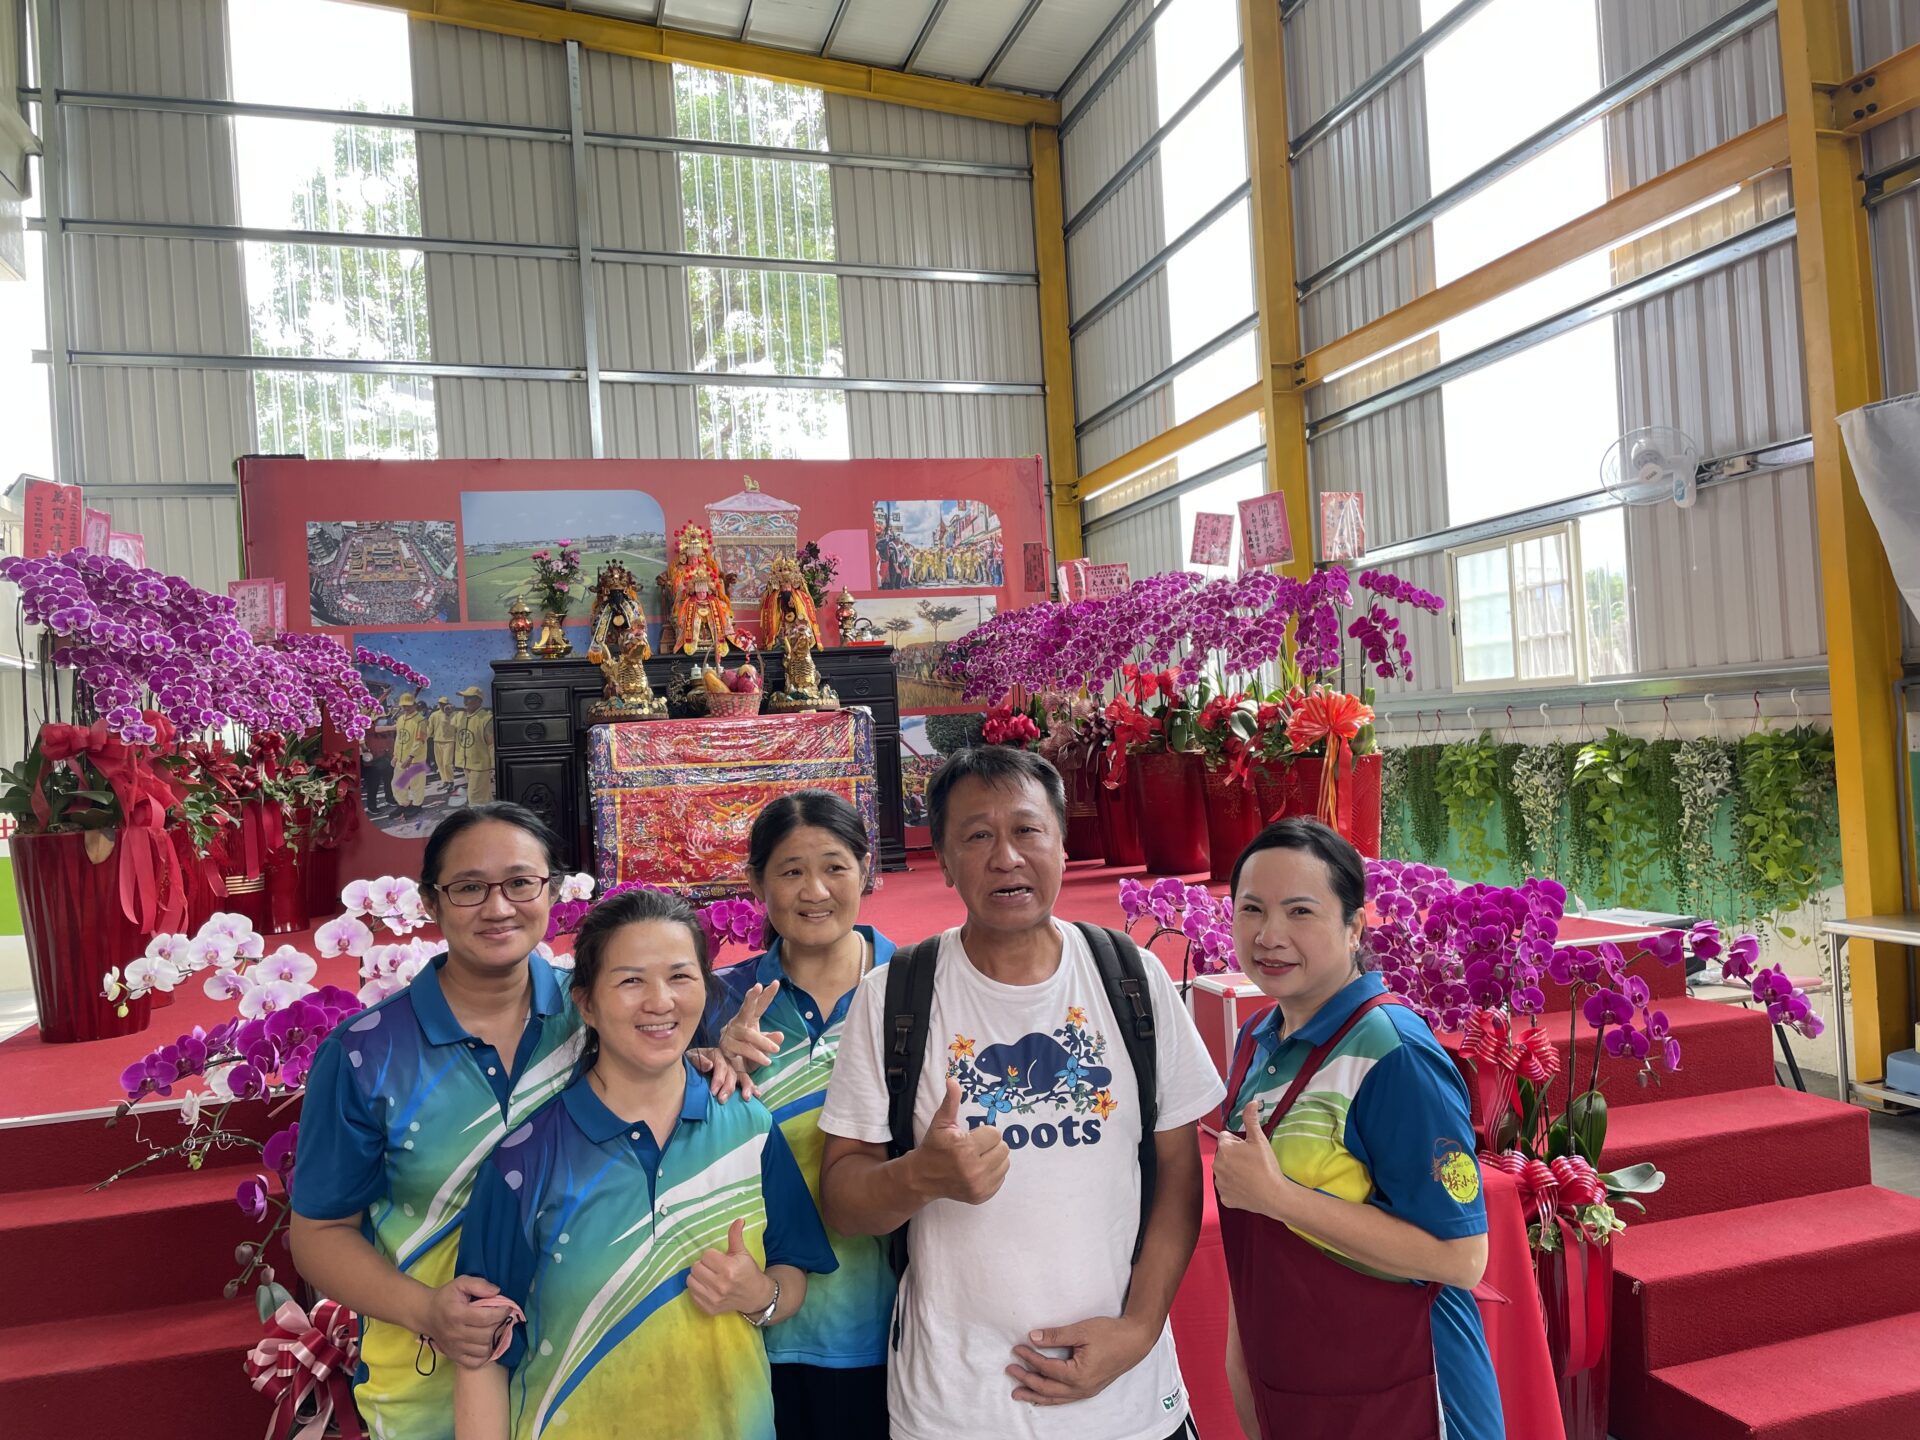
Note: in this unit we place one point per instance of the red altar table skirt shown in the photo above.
(1516, 1331)
(674, 800)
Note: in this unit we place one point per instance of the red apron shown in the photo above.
(1331, 1353)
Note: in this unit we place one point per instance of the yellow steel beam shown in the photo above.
(1759, 150)
(1878, 94)
(1862, 605)
(652, 42)
(1168, 443)
(1283, 402)
(1056, 341)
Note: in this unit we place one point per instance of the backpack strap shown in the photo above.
(1123, 972)
(909, 1012)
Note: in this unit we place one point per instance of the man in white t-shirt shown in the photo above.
(1022, 1313)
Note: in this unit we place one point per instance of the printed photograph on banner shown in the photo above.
(1343, 525)
(1265, 536)
(432, 749)
(382, 572)
(501, 529)
(920, 630)
(1036, 567)
(918, 760)
(1212, 540)
(937, 545)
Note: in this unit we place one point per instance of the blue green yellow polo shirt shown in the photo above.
(1385, 1122)
(591, 1225)
(844, 1322)
(403, 1106)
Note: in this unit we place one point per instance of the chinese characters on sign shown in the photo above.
(55, 519)
(279, 606)
(1036, 567)
(98, 527)
(253, 605)
(1343, 525)
(1073, 581)
(1212, 540)
(1265, 536)
(128, 546)
(1106, 581)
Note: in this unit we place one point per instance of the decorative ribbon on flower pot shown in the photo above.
(75, 931)
(1119, 821)
(1336, 719)
(150, 891)
(1499, 1063)
(1233, 817)
(1168, 786)
(300, 1360)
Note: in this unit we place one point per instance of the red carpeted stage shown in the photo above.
(1769, 1234)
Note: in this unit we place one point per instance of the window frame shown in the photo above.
(1569, 531)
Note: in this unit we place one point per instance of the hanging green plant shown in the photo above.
(1466, 777)
(1784, 788)
(1539, 786)
(1703, 776)
(1663, 807)
(1426, 812)
(1393, 801)
(1513, 821)
(1612, 811)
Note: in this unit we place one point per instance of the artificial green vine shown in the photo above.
(1703, 774)
(1426, 814)
(1782, 816)
(1663, 800)
(1540, 777)
(1393, 801)
(1467, 777)
(1513, 820)
(1611, 826)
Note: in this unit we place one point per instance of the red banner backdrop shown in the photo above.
(419, 559)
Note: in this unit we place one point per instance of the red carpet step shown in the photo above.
(174, 1373)
(1720, 1284)
(84, 1150)
(1740, 1147)
(1860, 1383)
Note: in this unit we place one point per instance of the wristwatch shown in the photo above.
(762, 1318)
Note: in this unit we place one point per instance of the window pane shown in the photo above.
(1484, 615)
(1210, 283)
(1191, 40)
(1204, 156)
(1603, 558)
(301, 175)
(320, 53)
(1543, 596)
(336, 302)
(346, 417)
(744, 423)
(765, 322)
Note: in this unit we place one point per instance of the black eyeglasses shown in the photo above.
(517, 888)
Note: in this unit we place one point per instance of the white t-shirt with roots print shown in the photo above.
(1046, 1063)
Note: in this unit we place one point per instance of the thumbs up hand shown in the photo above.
(724, 1281)
(1245, 1172)
(955, 1163)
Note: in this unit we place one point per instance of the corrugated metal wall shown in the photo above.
(902, 329)
(140, 425)
(1882, 28)
(1149, 541)
(490, 309)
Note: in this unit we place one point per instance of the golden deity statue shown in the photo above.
(702, 613)
(628, 695)
(802, 688)
(786, 600)
(616, 612)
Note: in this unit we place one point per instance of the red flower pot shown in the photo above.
(1272, 782)
(1119, 825)
(1233, 819)
(1576, 1291)
(323, 883)
(1168, 786)
(1083, 815)
(286, 879)
(247, 895)
(1292, 787)
(75, 932)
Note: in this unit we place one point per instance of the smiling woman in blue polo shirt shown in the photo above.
(649, 1232)
(404, 1103)
(1353, 1223)
(780, 1016)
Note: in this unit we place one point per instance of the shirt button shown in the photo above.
(492, 1070)
(809, 1014)
(1269, 1069)
(636, 1134)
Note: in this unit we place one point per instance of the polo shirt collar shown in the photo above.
(1332, 1015)
(436, 1017)
(600, 1125)
(772, 967)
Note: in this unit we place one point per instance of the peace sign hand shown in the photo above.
(742, 1040)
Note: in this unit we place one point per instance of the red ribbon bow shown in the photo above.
(1336, 718)
(300, 1359)
(151, 893)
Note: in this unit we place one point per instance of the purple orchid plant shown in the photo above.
(1192, 912)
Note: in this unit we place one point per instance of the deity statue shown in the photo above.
(787, 600)
(702, 613)
(627, 695)
(616, 612)
(803, 690)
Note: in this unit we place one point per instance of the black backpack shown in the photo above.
(909, 1015)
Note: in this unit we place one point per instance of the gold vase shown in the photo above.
(553, 643)
(520, 625)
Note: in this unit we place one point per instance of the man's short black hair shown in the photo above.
(992, 765)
